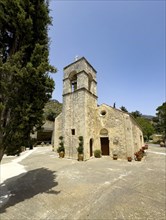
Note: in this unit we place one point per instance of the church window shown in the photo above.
(73, 131)
(102, 113)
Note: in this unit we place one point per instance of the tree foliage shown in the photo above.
(123, 109)
(160, 120)
(136, 114)
(145, 123)
(25, 84)
(147, 127)
(52, 109)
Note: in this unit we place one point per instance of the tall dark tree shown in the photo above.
(25, 83)
(160, 120)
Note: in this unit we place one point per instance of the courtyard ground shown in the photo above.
(39, 185)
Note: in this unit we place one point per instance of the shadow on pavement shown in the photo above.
(26, 186)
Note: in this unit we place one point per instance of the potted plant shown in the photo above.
(139, 158)
(143, 148)
(61, 148)
(139, 155)
(80, 149)
(129, 159)
(142, 152)
(135, 155)
(97, 153)
(115, 155)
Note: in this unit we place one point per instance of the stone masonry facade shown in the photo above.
(102, 127)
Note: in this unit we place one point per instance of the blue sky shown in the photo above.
(123, 40)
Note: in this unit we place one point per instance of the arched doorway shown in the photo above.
(91, 147)
(104, 142)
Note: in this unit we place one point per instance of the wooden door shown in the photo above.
(105, 146)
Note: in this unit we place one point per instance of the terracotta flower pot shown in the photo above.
(115, 157)
(139, 158)
(136, 154)
(80, 157)
(129, 159)
(61, 154)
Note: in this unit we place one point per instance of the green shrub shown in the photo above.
(97, 153)
(61, 138)
(60, 149)
(80, 138)
(61, 145)
(80, 149)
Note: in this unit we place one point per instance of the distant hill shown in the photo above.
(52, 109)
(150, 117)
(54, 100)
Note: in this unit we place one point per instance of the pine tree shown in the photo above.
(25, 83)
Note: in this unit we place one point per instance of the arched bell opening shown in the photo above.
(90, 78)
(73, 81)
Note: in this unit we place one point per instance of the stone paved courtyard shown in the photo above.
(39, 185)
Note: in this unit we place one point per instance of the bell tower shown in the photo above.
(79, 75)
(79, 103)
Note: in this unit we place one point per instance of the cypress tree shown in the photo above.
(25, 82)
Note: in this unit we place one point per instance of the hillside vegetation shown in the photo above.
(52, 109)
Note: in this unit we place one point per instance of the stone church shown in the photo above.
(102, 127)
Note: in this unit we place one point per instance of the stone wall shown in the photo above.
(73, 121)
(125, 137)
(57, 130)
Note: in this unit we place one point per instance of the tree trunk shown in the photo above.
(1, 152)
